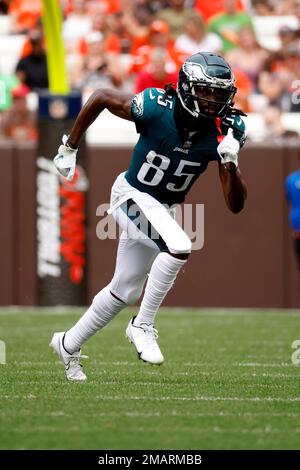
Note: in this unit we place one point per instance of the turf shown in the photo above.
(228, 383)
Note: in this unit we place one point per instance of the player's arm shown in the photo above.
(234, 187)
(118, 103)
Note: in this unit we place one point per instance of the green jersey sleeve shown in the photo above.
(145, 107)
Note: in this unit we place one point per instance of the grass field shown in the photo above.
(228, 383)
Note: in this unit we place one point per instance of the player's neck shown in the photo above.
(186, 123)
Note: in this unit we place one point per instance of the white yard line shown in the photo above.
(171, 414)
(37, 364)
(201, 431)
(245, 375)
(266, 364)
(202, 398)
(151, 383)
(238, 364)
(170, 398)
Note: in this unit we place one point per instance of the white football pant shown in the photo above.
(149, 240)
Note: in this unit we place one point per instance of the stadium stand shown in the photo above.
(128, 21)
(267, 29)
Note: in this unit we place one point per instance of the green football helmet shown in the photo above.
(206, 85)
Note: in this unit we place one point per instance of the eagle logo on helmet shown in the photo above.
(196, 72)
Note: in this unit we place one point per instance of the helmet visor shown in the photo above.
(211, 100)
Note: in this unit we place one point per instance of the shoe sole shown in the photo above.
(127, 335)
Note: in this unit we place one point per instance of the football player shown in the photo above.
(181, 131)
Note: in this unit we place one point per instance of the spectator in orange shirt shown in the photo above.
(213, 7)
(127, 27)
(100, 24)
(155, 75)
(159, 36)
(25, 14)
(107, 7)
(104, 6)
(244, 89)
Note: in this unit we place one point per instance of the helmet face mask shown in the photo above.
(206, 86)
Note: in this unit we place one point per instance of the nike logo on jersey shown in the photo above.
(239, 121)
(152, 97)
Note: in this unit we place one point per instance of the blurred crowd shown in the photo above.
(135, 44)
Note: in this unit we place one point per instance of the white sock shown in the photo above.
(161, 278)
(103, 309)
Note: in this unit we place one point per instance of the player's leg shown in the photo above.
(132, 265)
(68, 344)
(155, 225)
(155, 221)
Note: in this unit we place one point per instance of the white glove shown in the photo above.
(65, 160)
(228, 149)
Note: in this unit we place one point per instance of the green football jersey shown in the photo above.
(165, 162)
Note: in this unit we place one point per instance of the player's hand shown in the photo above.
(65, 160)
(228, 150)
